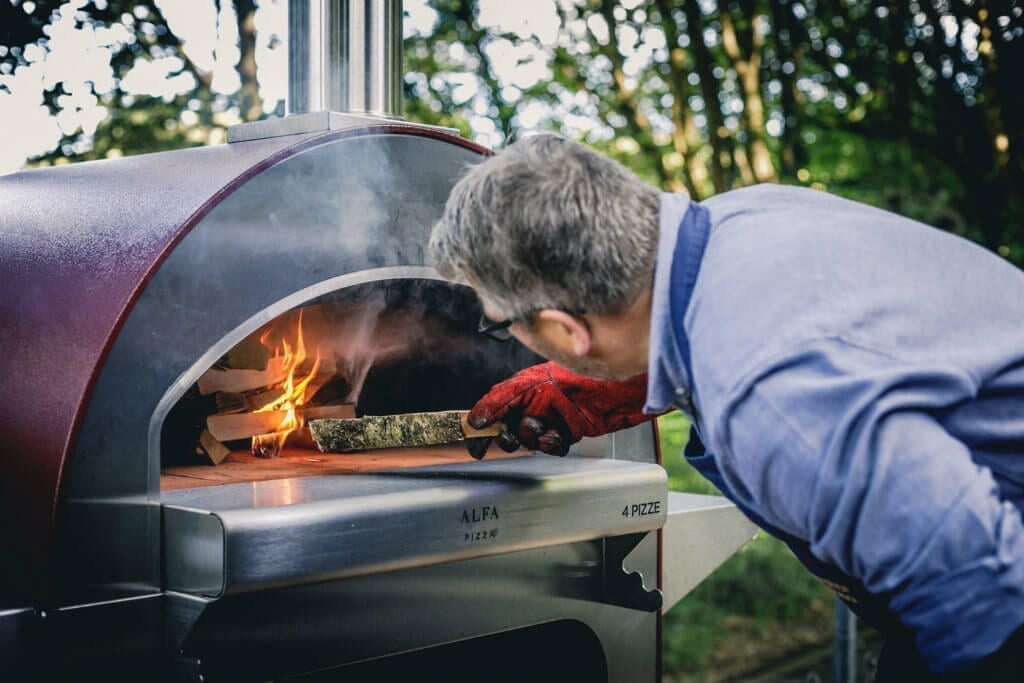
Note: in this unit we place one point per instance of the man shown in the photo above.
(855, 379)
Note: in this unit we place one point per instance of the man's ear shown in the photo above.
(568, 331)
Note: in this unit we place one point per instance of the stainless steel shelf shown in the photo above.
(242, 537)
(700, 533)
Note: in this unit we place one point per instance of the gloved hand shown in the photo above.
(548, 408)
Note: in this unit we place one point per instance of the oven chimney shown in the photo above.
(345, 56)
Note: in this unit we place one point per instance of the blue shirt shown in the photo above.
(857, 379)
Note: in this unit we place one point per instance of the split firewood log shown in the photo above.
(230, 381)
(395, 431)
(232, 426)
(249, 354)
(250, 401)
(212, 448)
(246, 402)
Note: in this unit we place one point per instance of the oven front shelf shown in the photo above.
(242, 466)
(255, 535)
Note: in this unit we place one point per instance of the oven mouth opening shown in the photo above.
(377, 348)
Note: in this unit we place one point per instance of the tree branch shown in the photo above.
(626, 100)
(683, 125)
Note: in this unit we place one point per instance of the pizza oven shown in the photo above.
(171, 321)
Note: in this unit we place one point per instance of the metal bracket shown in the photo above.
(317, 122)
(181, 612)
(701, 533)
(624, 588)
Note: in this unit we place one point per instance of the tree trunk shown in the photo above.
(901, 77)
(250, 106)
(683, 126)
(203, 79)
(991, 94)
(1006, 80)
(629, 107)
(791, 150)
(697, 172)
(968, 134)
(709, 93)
(742, 163)
(991, 156)
(748, 71)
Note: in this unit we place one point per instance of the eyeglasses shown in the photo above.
(500, 329)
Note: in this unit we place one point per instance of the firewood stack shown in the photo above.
(245, 382)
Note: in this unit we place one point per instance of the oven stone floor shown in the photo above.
(242, 466)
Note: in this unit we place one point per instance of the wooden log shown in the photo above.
(212, 448)
(342, 411)
(249, 354)
(247, 402)
(232, 426)
(251, 401)
(231, 381)
(239, 381)
(390, 431)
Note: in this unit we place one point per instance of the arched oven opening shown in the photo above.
(379, 348)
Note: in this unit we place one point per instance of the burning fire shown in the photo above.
(293, 392)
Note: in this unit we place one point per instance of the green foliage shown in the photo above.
(151, 123)
(758, 596)
(759, 605)
(135, 31)
(674, 432)
(878, 101)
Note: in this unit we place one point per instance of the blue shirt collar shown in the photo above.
(667, 378)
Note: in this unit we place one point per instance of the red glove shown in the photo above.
(548, 408)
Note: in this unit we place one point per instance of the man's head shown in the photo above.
(561, 240)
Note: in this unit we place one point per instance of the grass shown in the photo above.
(760, 605)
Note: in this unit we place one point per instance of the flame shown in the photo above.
(293, 392)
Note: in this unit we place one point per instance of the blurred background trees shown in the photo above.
(912, 105)
(915, 106)
(151, 91)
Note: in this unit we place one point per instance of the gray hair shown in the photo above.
(549, 223)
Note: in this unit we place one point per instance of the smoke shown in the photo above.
(401, 346)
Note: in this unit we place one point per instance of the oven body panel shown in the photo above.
(78, 243)
(344, 208)
(297, 630)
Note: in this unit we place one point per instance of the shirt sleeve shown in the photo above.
(844, 447)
